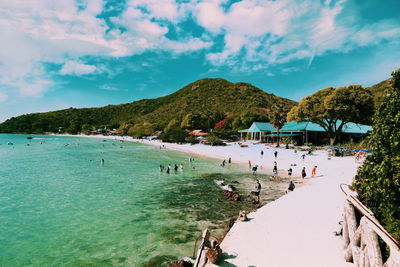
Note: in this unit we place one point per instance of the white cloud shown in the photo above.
(276, 32)
(34, 88)
(108, 87)
(255, 34)
(61, 32)
(3, 97)
(77, 68)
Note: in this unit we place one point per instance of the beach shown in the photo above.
(296, 229)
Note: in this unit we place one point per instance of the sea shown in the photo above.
(60, 206)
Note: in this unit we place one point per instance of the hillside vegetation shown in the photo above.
(378, 91)
(208, 100)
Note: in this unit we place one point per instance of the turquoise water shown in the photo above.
(60, 207)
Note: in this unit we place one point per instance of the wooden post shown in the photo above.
(205, 236)
(373, 249)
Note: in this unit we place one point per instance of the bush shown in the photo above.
(213, 140)
(192, 140)
(378, 180)
(174, 135)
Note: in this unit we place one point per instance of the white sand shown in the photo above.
(297, 229)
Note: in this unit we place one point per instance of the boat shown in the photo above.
(29, 137)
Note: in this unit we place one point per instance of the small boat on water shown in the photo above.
(29, 137)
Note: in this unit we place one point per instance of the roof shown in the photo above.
(284, 135)
(356, 128)
(261, 127)
(198, 132)
(294, 126)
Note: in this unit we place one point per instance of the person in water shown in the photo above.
(168, 169)
(175, 167)
(223, 163)
(257, 190)
(291, 187)
(229, 160)
(102, 162)
(255, 167)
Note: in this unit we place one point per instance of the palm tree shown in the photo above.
(278, 119)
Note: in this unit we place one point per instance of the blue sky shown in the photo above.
(86, 53)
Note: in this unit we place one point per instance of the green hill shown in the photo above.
(210, 99)
(378, 91)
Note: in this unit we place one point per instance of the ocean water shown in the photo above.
(60, 207)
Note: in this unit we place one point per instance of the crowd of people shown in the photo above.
(175, 168)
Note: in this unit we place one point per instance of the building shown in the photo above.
(301, 132)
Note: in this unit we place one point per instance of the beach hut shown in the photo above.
(257, 131)
(302, 132)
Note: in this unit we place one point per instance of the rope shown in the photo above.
(368, 214)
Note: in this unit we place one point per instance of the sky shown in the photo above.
(56, 54)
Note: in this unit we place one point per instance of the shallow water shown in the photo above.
(60, 207)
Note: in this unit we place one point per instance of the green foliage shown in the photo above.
(378, 180)
(378, 91)
(174, 135)
(208, 100)
(213, 140)
(332, 108)
(191, 139)
(141, 129)
(247, 117)
(278, 119)
(226, 134)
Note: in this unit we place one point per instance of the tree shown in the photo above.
(333, 108)
(278, 119)
(378, 180)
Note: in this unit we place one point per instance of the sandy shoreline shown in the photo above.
(294, 230)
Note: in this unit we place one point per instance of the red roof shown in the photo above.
(198, 132)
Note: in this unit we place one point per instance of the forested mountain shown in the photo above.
(208, 100)
(378, 91)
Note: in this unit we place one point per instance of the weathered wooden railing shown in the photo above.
(361, 234)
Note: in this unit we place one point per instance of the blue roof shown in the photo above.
(294, 126)
(356, 128)
(261, 127)
(301, 126)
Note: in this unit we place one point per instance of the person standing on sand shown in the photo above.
(314, 171)
(229, 160)
(257, 190)
(262, 154)
(276, 154)
(289, 172)
(303, 156)
(303, 173)
(249, 165)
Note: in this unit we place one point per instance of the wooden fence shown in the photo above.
(366, 242)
